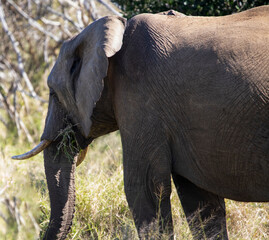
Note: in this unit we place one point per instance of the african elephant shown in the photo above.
(190, 97)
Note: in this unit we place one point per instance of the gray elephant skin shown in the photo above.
(190, 97)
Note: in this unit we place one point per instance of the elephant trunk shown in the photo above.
(60, 174)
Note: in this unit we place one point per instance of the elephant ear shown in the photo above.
(91, 50)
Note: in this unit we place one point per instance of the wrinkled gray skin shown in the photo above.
(190, 96)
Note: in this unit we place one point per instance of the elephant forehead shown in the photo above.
(69, 46)
(85, 39)
(58, 77)
(67, 51)
(54, 77)
(60, 71)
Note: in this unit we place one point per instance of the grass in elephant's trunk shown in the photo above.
(68, 144)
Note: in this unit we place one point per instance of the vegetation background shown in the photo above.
(32, 32)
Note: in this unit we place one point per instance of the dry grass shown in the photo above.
(101, 209)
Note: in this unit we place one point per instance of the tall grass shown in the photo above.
(101, 207)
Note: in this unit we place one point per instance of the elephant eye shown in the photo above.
(75, 66)
(52, 93)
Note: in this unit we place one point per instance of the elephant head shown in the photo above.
(76, 84)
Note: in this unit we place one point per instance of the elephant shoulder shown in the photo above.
(147, 24)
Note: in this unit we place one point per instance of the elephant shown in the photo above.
(190, 98)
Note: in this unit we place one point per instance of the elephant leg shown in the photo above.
(152, 214)
(147, 184)
(205, 211)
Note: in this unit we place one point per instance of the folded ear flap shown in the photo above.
(99, 41)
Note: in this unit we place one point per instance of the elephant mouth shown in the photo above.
(42, 146)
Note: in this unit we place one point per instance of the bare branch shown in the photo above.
(2, 120)
(91, 8)
(67, 18)
(79, 18)
(13, 74)
(46, 55)
(65, 29)
(71, 3)
(29, 5)
(3, 217)
(32, 22)
(7, 107)
(50, 22)
(14, 116)
(23, 95)
(24, 128)
(109, 7)
(19, 58)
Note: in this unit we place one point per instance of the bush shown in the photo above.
(188, 7)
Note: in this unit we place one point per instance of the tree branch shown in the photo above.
(109, 7)
(19, 57)
(91, 9)
(2, 120)
(64, 17)
(32, 22)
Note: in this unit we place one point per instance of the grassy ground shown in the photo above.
(101, 209)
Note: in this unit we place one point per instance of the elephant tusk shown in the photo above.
(40, 147)
(81, 156)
